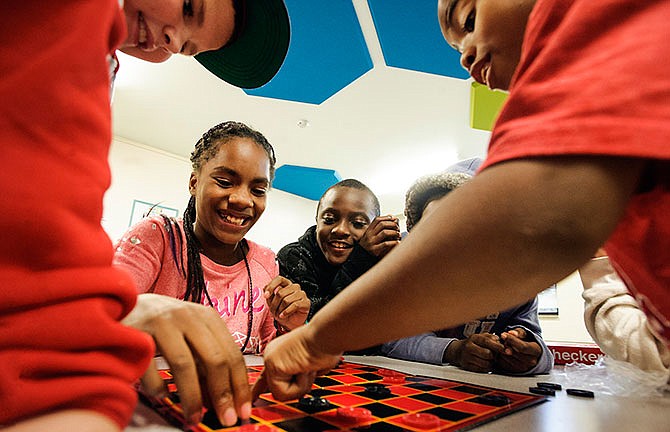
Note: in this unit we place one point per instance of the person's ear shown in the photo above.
(192, 183)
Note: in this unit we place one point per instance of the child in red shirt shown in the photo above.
(67, 361)
(579, 156)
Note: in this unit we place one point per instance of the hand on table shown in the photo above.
(519, 354)
(197, 345)
(382, 235)
(476, 353)
(291, 364)
(287, 302)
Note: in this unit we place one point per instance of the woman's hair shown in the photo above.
(427, 189)
(206, 148)
(208, 145)
(353, 184)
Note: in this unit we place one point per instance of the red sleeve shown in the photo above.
(589, 83)
(61, 343)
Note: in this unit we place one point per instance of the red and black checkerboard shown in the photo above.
(388, 396)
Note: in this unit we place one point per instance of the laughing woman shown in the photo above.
(205, 258)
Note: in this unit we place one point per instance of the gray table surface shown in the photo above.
(606, 412)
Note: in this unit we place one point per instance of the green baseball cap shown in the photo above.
(258, 47)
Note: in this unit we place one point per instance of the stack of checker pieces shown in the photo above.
(359, 397)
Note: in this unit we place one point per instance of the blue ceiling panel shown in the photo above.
(327, 52)
(410, 37)
(303, 181)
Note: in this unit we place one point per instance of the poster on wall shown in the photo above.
(142, 209)
(548, 301)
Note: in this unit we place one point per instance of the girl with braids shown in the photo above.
(205, 258)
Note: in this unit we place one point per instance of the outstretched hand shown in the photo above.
(197, 345)
(287, 302)
(520, 354)
(291, 364)
(382, 235)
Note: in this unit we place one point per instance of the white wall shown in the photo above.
(147, 174)
(144, 173)
(568, 326)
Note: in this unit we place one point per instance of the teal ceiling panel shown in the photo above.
(410, 37)
(327, 52)
(303, 181)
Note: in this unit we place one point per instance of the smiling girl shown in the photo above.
(205, 258)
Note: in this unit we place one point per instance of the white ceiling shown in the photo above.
(386, 129)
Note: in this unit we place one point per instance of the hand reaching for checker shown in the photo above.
(519, 354)
(206, 363)
(291, 364)
(382, 235)
(287, 302)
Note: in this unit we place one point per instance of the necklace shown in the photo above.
(250, 301)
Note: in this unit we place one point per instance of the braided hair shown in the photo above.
(205, 149)
(353, 184)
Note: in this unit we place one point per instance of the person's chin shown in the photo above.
(156, 56)
(338, 259)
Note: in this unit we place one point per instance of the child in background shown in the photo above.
(575, 161)
(348, 239)
(615, 321)
(67, 360)
(474, 346)
(205, 258)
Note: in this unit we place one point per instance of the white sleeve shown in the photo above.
(615, 321)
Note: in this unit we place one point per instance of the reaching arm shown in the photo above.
(297, 266)
(489, 245)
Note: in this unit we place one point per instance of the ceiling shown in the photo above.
(386, 127)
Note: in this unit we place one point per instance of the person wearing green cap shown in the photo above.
(68, 360)
(242, 42)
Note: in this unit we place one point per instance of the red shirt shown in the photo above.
(61, 345)
(593, 81)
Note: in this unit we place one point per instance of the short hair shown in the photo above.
(427, 189)
(353, 184)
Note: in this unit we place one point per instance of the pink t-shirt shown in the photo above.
(145, 252)
(593, 81)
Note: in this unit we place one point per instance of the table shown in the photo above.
(561, 413)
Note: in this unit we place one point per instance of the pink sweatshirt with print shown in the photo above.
(145, 252)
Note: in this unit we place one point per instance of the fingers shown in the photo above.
(516, 363)
(479, 352)
(291, 362)
(182, 365)
(519, 355)
(382, 235)
(487, 340)
(274, 285)
(259, 387)
(204, 360)
(517, 332)
(286, 299)
(227, 380)
(522, 347)
(152, 383)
